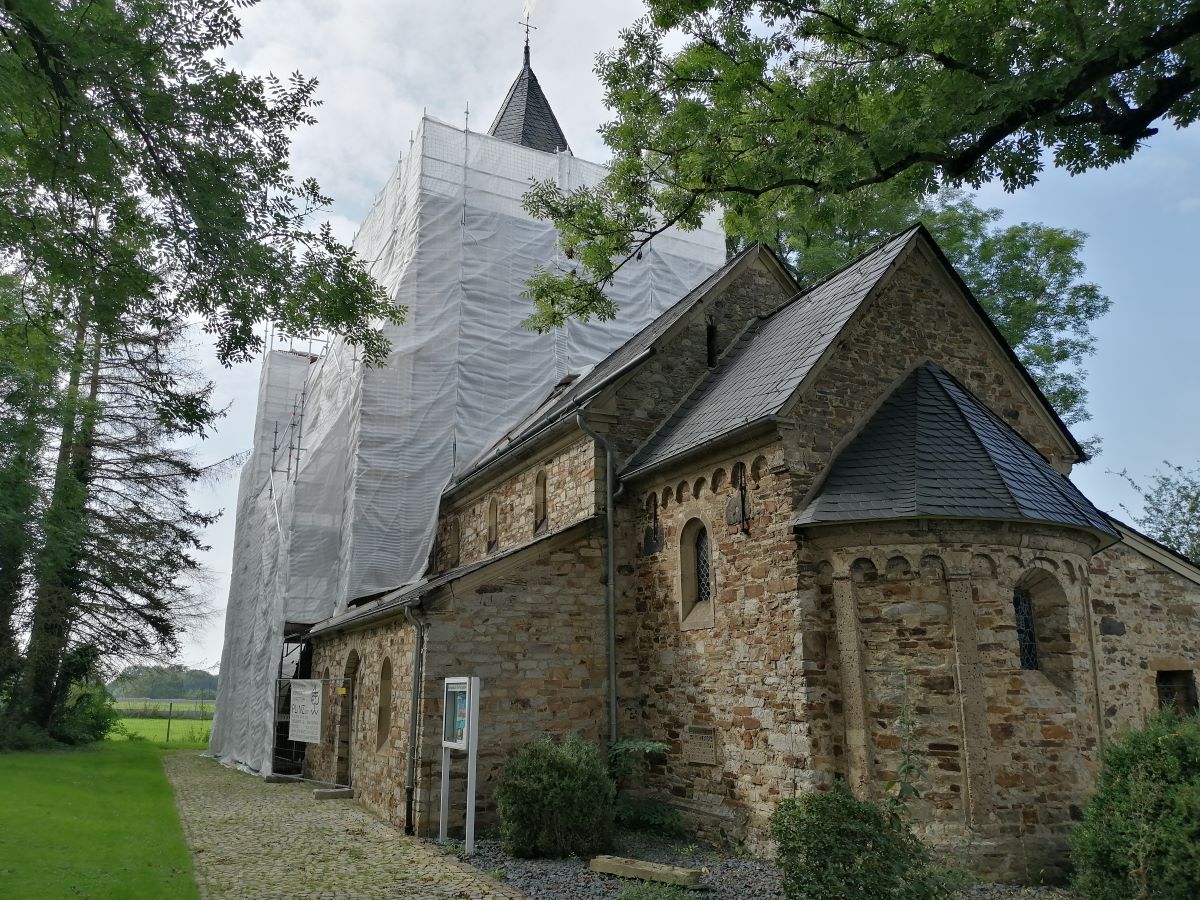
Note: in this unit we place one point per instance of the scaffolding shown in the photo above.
(339, 499)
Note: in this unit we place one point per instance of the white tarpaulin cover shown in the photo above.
(339, 499)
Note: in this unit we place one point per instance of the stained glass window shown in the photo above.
(1026, 632)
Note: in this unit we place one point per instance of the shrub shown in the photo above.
(835, 847)
(88, 715)
(555, 799)
(1140, 834)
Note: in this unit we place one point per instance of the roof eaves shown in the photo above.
(393, 602)
(745, 429)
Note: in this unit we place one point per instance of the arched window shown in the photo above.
(384, 721)
(1027, 646)
(493, 526)
(696, 576)
(1041, 614)
(540, 515)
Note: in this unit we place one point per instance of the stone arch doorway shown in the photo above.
(345, 732)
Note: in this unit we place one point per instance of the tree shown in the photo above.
(1171, 509)
(143, 184)
(1029, 277)
(800, 105)
(121, 119)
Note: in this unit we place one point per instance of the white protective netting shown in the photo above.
(340, 497)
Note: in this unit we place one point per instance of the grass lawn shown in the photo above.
(98, 822)
(185, 733)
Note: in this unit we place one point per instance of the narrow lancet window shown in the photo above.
(493, 526)
(1026, 629)
(540, 516)
(703, 567)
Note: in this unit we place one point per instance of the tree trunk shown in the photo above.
(64, 527)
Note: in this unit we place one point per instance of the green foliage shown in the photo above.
(137, 162)
(1171, 509)
(652, 890)
(647, 814)
(833, 846)
(1140, 834)
(87, 716)
(794, 103)
(555, 799)
(631, 755)
(164, 681)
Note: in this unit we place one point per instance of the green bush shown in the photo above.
(834, 847)
(87, 716)
(648, 815)
(1140, 834)
(555, 799)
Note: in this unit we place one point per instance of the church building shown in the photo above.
(762, 529)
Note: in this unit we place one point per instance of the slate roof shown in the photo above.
(564, 398)
(934, 450)
(768, 361)
(525, 116)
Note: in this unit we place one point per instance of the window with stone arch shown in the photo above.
(540, 514)
(696, 570)
(1041, 616)
(493, 525)
(383, 726)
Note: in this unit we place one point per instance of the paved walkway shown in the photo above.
(256, 841)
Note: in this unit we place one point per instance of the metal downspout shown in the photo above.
(410, 777)
(610, 571)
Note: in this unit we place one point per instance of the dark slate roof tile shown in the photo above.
(525, 116)
(766, 364)
(933, 449)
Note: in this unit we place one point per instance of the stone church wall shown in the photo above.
(738, 672)
(535, 635)
(571, 491)
(1146, 620)
(652, 392)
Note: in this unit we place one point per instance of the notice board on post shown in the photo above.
(307, 705)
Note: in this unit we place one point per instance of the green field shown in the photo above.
(98, 822)
(193, 709)
(185, 733)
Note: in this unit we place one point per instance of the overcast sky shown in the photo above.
(380, 63)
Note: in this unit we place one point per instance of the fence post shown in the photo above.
(170, 710)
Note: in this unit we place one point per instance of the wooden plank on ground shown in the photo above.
(647, 871)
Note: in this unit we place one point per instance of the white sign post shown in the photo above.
(460, 731)
(307, 701)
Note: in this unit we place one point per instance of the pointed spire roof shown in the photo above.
(933, 450)
(525, 116)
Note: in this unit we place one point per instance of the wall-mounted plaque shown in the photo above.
(700, 745)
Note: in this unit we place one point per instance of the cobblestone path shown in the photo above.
(256, 841)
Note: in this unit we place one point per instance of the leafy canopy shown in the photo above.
(131, 155)
(796, 104)
(1171, 508)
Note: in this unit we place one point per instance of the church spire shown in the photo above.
(525, 116)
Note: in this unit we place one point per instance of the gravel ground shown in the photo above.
(727, 876)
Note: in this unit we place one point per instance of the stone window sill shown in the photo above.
(699, 616)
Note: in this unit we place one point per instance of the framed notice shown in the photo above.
(455, 728)
(304, 722)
